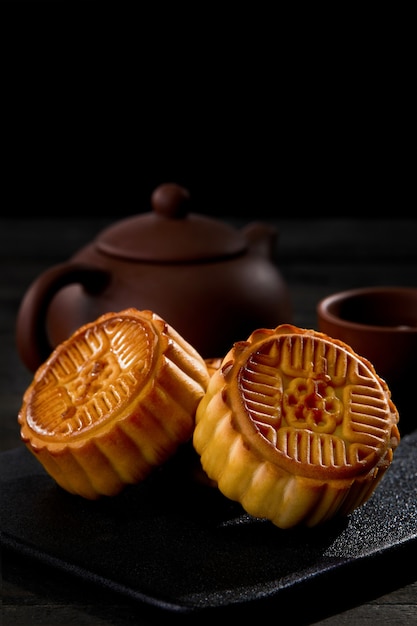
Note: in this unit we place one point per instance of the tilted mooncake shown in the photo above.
(112, 402)
(296, 427)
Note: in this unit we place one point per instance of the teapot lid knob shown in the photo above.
(171, 233)
(171, 200)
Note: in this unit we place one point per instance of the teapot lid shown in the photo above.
(170, 233)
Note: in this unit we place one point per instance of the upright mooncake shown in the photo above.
(296, 427)
(112, 402)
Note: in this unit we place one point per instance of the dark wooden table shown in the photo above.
(316, 257)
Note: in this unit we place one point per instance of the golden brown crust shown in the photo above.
(112, 402)
(296, 426)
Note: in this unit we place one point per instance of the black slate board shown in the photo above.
(179, 546)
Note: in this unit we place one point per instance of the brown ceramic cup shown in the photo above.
(380, 323)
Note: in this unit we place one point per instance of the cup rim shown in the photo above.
(323, 308)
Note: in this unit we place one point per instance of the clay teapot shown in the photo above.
(212, 282)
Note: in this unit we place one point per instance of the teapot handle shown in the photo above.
(32, 339)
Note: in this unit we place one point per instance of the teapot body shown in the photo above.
(211, 304)
(212, 283)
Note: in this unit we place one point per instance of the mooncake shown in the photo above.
(112, 402)
(296, 427)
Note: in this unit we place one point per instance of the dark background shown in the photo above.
(255, 113)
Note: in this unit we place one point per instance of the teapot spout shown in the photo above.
(262, 238)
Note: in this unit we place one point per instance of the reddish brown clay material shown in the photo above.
(213, 283)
